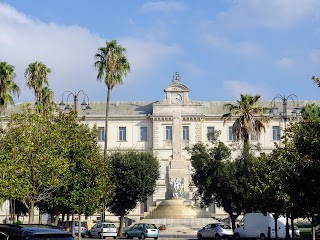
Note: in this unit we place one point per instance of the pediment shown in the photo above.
(176, 87)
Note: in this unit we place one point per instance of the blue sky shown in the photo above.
(220, 48)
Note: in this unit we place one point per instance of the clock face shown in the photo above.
(176, 98)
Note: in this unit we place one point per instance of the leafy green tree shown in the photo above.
(87, 183)
(7, 85)
(273, 177)
(303, 143)
(135, 174)
(249, 118)
(219, 179)
(288, 179)
(311, 111)
(112, 65)
(37, 79)
(32, 160)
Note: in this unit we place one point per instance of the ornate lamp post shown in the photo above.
(84, 105)
(284, 115)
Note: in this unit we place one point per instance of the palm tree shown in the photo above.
(249, 118)
(47, 103)
(37, 78)
(112, 64)
(316, 80)
(7, 85)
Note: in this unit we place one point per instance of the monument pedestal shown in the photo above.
(178, 208)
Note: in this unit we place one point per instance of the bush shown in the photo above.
(18, 222)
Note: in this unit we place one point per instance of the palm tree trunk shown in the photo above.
(246, 146)
(106, 125)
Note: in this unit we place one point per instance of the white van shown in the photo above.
(255, 225)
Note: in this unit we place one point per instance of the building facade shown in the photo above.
(167, 127)
(170, 125)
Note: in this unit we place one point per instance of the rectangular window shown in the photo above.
(254, 137)
(122, 134)
(275, 133)
(169, 133)
(100, 134)
(185, 132)
(143, 134)
(210, 133)
(231, 135)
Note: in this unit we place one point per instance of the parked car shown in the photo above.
(67, 226)
(142, 231)
(103, 230)
(215, 231)
(296, 231)
(256, 225)
(33, 232)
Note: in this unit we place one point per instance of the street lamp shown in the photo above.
(84, 105)
(284, 114)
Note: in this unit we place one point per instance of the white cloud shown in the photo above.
(234, 88)
(284, 62)
(191, 68)
(244, 48)
(164, 6)
(314, 56)
(145, 55)
(69, 52)
(271, 13)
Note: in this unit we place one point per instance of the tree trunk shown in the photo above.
(246, 145)
(121, 226)
(79, 228)
(11, 208)
(31, 212)
(40, 217)
(72, 225)
(275, 217)
(55, 219)
(106, 125)
(233, 220)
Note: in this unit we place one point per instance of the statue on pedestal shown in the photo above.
(177, 187)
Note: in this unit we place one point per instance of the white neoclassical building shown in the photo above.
(166, 127)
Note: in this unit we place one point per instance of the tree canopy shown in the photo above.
(311, 111)
(87, 184)
(135, 174)
(8, 87)
(53, 157)
(33, 163)
(248, 117)
(219, 179)
(37, 79)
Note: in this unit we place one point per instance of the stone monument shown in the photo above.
(178, 203)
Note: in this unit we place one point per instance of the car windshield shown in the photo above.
(151, 226)
(225, 226)
(83, 224)
(107, 225)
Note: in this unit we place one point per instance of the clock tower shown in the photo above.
(176, 123)
(176, 92)
(174, 112)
